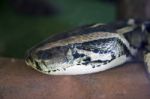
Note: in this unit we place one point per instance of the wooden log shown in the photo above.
(18, 81)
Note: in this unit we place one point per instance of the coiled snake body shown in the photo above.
(92, 48)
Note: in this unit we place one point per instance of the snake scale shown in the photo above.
(92, 48)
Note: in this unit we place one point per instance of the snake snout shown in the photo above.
(29, 60)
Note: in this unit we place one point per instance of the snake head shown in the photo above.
(46, 58)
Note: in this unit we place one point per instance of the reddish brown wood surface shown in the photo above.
(18, 81)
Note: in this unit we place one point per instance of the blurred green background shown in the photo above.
(23, 24)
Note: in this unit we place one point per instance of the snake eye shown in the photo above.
(46, 54)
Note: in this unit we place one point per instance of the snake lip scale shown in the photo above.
(92, 48)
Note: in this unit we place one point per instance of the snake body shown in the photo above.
(91, 48)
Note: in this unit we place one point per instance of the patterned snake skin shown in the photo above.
(92, 48)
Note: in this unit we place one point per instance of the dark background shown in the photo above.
(24, 23)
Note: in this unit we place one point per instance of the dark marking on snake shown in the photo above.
(77, 55)
(37, 66)
(105, 48)
(54, 70)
